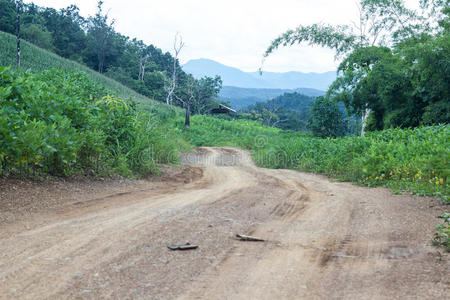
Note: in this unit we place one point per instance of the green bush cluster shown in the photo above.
(403, 159)
(61, 123)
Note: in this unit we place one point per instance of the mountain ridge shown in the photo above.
(272, 80)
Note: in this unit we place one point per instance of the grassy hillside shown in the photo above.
(37, 60)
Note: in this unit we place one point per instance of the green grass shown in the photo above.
(37, 60)
(212, 131)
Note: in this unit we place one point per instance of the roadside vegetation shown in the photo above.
(442, 234)
(61, 123)
(121, 63)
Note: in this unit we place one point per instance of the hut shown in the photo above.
(222, 109)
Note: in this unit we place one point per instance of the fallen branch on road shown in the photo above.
(248, 238)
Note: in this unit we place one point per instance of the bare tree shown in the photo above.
(142, 63)
(19, 8)
(172, 82)
(190, 97)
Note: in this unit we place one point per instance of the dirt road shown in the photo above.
(323, 239)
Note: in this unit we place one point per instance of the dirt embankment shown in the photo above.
(323, 239)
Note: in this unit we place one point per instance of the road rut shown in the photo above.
(323, 240)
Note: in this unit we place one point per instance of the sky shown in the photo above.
(232, 32)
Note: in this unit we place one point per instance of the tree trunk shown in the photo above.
(187, 121)
(364, 121)
(18, 33)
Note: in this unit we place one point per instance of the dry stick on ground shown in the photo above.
(249, 238)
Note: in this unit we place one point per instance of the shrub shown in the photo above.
(60, 123)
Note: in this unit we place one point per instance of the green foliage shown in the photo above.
(396, 66)
(7, 16)
(339, 38)
(61, 123)
(403, 159)
(442, 234)
(289, 111)
(212, 131)
(93, 41)
(37, 60)
(37, 35)
(326, 119)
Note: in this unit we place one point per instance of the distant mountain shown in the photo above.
(230, 76)
(270, 80)
(243, 97)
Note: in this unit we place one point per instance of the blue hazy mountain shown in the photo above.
(270, 80)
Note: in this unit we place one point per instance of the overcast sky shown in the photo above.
(232, 32)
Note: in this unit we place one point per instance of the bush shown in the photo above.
(403, 159)
(61, 123)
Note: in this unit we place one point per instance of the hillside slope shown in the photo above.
(37, 59)
(238, 78)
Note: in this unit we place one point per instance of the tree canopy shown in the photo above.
(394, 64)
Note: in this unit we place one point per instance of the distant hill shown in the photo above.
(292, 111)
(243, 97)
(271, 80)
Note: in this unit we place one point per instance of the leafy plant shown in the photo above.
(442, 234)
(61, 123)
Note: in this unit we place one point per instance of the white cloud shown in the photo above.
(233, 32)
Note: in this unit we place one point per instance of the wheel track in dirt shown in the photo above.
(324, 240)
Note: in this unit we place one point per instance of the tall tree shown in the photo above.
(101, 31)
(206, 90)
(326, 119)
(67, 28)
